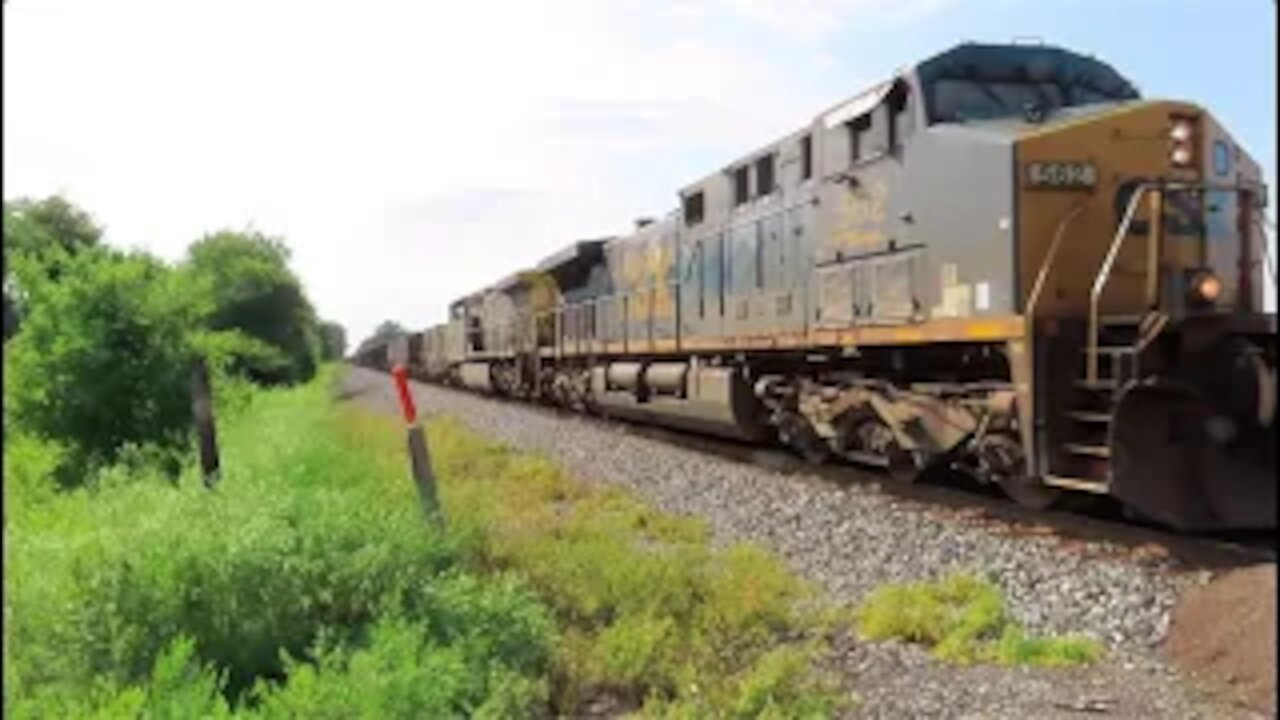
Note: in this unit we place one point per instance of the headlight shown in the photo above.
(1181, 155)
(1181, 131)
(1205, 287)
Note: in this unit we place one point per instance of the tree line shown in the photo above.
(99, 342)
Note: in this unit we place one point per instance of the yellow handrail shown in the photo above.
(1122, 231)
(1034, 296)
(1104, 274)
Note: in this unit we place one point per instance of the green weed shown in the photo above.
(306, 584)
(963, 619)
(305, 537)
(651, 613)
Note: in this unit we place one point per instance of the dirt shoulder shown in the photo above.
(1225, 632)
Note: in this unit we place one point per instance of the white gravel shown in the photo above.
(849, 540)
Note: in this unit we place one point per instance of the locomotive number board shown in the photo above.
(1061, 175)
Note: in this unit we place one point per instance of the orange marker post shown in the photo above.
(419, 458)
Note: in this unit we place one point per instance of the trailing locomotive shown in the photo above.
(1002, 258)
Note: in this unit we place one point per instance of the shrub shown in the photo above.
(480, 653)
(246, 284)
(963, 619)
(43, 233)
(300, 555)
(307, 585)
(29, 468)
(103, 358)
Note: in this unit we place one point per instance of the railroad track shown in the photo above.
(1086, 520)
(1092, 524)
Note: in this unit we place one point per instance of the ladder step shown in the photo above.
(1120, 320)
(1090, 416)
(1073, 483)
(1099, 384)
(1098, 451)
(1112, 350)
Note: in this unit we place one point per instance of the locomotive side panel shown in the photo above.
(958, 193)
(745, 246)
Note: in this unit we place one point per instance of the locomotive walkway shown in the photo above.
(851, 538)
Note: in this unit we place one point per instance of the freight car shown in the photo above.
(1002, 258)
(383, 353)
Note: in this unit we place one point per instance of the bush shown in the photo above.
(29, 467)
(306, 584)
(475, 649)
(333, 341)
(103, 358)
(45, 232)
(245, 281)
(963, 619)
(302, 565)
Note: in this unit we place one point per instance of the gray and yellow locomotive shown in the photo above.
(1002, 258)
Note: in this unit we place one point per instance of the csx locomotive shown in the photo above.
(1002, 259)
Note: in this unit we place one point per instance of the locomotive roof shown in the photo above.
(1037, 63)
(971, 61)
(978, 61)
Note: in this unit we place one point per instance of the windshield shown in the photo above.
(976, 82)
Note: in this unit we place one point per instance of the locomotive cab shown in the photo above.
(1009, 181)
(1139, 262)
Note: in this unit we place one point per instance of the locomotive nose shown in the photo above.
(1100, 165)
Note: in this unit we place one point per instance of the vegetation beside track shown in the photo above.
(963, 619)
(304, 584)
(307, 584)
(650, 616)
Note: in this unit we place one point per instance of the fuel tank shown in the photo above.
(713, 400)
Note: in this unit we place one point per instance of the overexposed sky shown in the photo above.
(410, 152)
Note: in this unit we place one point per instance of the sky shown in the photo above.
(412, 152)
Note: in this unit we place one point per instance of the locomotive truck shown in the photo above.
(1001, 258)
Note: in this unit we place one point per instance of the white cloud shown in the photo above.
(356, 130)
(410, 152)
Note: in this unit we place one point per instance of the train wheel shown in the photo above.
(1000, 461)
(1029, 492)
(796, 433)
(903, 467)
(868, 440)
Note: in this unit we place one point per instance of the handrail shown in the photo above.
(1034, 296)
(1104, 274)
(1122, 232)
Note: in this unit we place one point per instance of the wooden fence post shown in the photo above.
(202, 409)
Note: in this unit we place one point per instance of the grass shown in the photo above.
(308, 585)
(305, 584)
(963, 619)
(650, 615)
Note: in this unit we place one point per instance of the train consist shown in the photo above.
(1002, 258)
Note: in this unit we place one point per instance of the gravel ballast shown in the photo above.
(850, 539)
